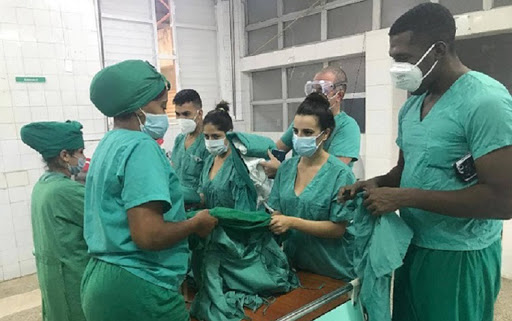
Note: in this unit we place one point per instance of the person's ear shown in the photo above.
(340, 94)
(440, 49)
(327, 134)
(140, 115)
(64, 156)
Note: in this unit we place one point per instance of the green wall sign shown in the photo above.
(30, 79)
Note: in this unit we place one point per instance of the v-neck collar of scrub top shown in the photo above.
(439, 102)
(313, 180)
(221, 169)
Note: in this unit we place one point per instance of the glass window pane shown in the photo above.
(349, 20)
(502, 3)
(260, 10)
(292, 109)
(392, 9)
(297, 5)
(304, 30)
(355, 68)
(266, 85)
(267, 118)
(258, 40)
(458, 6)
(136, 9)
(298, 76)
(356, 108)
(490, 55)
(168, 69)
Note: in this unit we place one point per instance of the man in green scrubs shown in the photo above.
(135, 224)
(345, 142)
(455, 208)
(189, 152)
(57, 217)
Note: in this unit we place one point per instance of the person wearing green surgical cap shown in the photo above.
(57, 211)
(135, 224)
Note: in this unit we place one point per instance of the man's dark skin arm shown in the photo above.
(490, 198)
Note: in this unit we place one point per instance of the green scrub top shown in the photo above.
(59, 246)
(188, 164)
(344, 142)
(330, 257)
(129, 169)
(473, 116)
(227, 189)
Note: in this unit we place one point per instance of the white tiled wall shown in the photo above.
(382, 105)
(56, 39)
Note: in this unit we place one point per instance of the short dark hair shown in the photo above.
(430, 21)
(219, 117)
(188, 96)
(317, 105)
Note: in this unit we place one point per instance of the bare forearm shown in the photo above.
(479, 201)
(391, 179)
(323, 229)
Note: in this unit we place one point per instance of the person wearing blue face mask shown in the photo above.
(221, 185)
(303, 193)
(344, 142)
(135, 224)
(57, 217)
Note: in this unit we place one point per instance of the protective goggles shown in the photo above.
(320, 86)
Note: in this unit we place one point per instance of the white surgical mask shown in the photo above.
(187, 126)
(407, 76)
(305, 146)
(216, 146)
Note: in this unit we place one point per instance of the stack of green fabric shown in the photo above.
(237, 266)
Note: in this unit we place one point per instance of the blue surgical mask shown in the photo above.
(216, 146)
(305, 146)
(76, 169)
(156, 125)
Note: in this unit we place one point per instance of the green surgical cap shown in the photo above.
(126, 87)
(50, 138)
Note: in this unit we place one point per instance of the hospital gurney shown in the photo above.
(320, 298)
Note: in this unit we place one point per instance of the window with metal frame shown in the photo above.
(277, 93)
(273, 25)
(139, 29)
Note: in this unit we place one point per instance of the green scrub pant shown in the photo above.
(435, 285)
(110, 293)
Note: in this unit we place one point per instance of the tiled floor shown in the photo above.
(23, 290)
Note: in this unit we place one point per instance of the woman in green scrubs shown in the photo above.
(221, 184)
(135, 224)
(304, 197)
(57, 217)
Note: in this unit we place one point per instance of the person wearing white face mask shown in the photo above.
(135, 224)
(303, 193)
(189, 151)
(221, 185)
(345, 141)
(453, 180)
